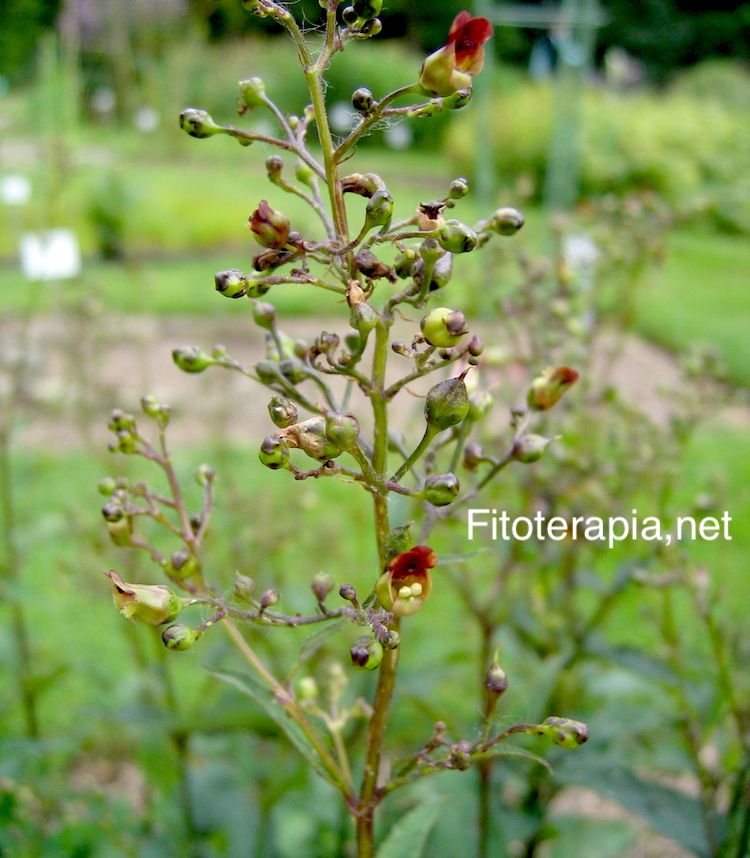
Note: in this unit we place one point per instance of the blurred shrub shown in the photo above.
(691, 143)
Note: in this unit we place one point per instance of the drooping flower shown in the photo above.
(405, 586)
(270, 227)
(547, 388)
(152, 604)
(451, 67)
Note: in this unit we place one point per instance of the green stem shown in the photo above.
(315, 87)
(417, 452)
(367, 123)
(292, 708)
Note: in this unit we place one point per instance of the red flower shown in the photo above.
(271, 228)
(547, 388)
(451, 68)
(406, 584)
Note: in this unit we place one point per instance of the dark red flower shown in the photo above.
(451, 68)
(270, 228)
(405, 586)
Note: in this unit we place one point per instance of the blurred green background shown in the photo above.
(655, 104)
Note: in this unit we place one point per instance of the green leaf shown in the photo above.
(246, 684)
(408, 837)
(314, 642)
(668, 811)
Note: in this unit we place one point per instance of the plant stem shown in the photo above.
(286, 700)
(389, 665)
(417, 453)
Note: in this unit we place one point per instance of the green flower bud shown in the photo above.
(363, 100)
(274, 166)
(267, 371)
(198, 123)
(204, 475)
(264, 315)
(443, 327)
(283, 411)
(120, 420)
(473, 456)
(121, 532)
(179, 637)
(404, 262)
(460, 758)
(182, 565)
(307, 688)
(506, 221)
(548, 387)
(257, 288)
(447, 403)
(372, 28)
(342, 430)
(441, 489)
(564, 731)
(243, 588)
(530, 448)
(192, 359)
(106, 486)
(293, 370)
(456, 237)
(459, 188)
(363, 318)
(231, 283)
(269, 598)
(252, 93)
(112, 512)
(367, 653)
(304, 174)
(321, 585)
(270, 227)
(398, 541)
(273, 453)
(391, 639)
(496, 681)
(379, 209)
(152, 604)
(430, 251)
(150, 406)
(480, 403)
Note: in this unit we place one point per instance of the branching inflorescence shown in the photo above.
(380, 267)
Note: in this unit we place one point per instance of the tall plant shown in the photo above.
(382, 267)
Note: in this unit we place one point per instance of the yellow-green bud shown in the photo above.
(367, 653)
(564, 731)
(152, 604)
(447, 403)
(456, 237)
(198, 123)
(179, 637)
(268, 599)
(496, 681)
(441, 489)
(342, 430)
(231, 283)
(252, 93)
(530, 448)
(363, 318)
(106, 486)
(307, 688)
(480, 403)
(192, 359)
(304, 174)
(506, 221)
(273, 453)
(182, 564)
(264, 314)
(205, 474)
(379, 209)
(283, 411)
(459, 188)
(443, 327)
(367, 9)
(321, 585)
(243, 588)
